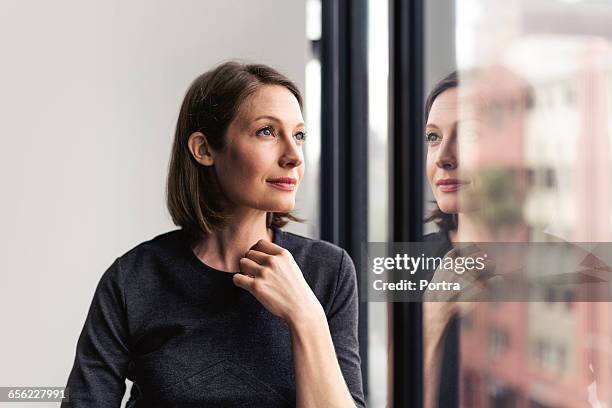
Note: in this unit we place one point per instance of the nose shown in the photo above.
(292, 155)
(447, 154)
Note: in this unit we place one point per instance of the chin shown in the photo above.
(448, 208)
(281, 206)
(283, 209)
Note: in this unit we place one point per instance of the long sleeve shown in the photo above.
(343, 320)
(98, 375)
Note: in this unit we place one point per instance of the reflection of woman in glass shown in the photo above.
(441, 113)
(173, 317)
(440, 322)
(477, 200)
(481, 198)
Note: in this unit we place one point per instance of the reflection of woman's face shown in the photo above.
(262, 163)
(442, 156)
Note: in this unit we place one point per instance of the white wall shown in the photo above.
(90, 91)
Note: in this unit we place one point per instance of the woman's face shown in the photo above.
(442, 156)
(262, 163)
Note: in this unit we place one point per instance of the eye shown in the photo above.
(433, 138)
(300, 136)
(266, 131)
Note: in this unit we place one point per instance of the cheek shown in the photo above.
(430, 166)
(236, 170)
(246, 163)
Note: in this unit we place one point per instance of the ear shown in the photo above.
(200, 149)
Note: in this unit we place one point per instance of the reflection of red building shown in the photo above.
(538, 354)
(592, 168)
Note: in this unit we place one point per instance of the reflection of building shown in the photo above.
(538, 354)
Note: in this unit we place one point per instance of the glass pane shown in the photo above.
(519, 151)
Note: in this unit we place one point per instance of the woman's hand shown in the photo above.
(270, 273)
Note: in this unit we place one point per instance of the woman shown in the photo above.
(228, 310)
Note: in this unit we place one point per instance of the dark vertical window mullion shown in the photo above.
(406, 41)
(330, 151)
(344, 133)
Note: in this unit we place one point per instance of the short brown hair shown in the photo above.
(444, 221)
(193, 195)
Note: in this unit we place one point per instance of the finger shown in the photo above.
(243, 281)
(250, 267)
(267, 247)
(260, 257)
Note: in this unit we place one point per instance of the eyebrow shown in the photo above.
(274, 118)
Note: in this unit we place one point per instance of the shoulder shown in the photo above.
(320, 261)
(162, 249)
(437, 243)
(301, 246)
(165, 242)
(327, 268)
(440, 235)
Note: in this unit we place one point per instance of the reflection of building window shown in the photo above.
(547, 354)
(467, 321)
(568, 298)
(542, 177)
(529, 99)
(551, 356)
(561, 358)
(498, 341)
(549, 178)
(549, 295)
(502, 396)
(557, 295)
(531, 179)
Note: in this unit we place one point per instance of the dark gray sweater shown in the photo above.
(188, 337)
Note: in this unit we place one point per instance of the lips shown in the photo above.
(450, 185)
(283, 183)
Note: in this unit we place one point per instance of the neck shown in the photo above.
(222, 249)
(468, 230)
(471, 228)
